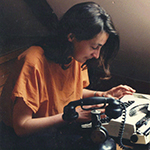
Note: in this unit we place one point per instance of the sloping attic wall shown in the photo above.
(17, 19)
(132, 21)
(18, 26)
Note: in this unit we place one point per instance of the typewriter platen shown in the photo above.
(137, 124)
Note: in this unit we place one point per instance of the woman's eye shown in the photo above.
(95, 48)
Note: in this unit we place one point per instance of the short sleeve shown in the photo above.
(29, 83)
(85, 78)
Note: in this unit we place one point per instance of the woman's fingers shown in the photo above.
(119, 91)
(127, 88)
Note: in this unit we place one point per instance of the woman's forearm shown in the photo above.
(91, 93)
(38, 124)
(115, 92)
(24, 124)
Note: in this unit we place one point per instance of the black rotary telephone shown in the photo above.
(113, 109)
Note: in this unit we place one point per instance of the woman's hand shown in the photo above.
(119, 91)
(85, 115)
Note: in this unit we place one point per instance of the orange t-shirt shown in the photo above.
(44, 86)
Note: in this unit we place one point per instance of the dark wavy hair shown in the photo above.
(85, 21)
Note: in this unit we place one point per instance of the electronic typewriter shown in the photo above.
(137, 119)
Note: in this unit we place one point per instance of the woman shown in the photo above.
(52, 73)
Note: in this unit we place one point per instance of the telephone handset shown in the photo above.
(113, 109)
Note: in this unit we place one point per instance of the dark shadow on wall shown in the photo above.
(23, 22)
(44, 13)
(98, 84)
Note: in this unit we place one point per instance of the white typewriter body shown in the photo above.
(137, 124)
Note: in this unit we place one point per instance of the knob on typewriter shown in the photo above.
(134, 138)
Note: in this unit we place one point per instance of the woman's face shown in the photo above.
(88, 49)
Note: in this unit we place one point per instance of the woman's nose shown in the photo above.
(96, 54)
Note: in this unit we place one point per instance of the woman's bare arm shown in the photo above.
(115, 92)
(24, 124)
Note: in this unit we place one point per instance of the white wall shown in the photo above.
(132, 20)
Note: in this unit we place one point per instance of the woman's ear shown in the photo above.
(70, 37)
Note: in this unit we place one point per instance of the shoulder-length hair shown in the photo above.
(85, 21)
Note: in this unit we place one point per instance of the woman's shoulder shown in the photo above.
(33, 56)
(32, 53)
